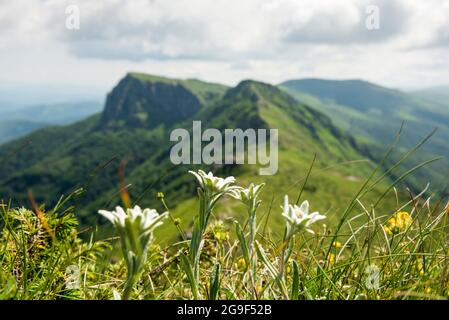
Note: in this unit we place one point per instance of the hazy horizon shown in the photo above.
(13, 98)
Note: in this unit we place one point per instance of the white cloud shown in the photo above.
(22, 23)
(218, 30)
(222, 40)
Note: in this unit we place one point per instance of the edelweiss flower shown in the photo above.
(298, 218)
(210, 183)
(117, 217)
(135, 227)
(249, 195)
(144, 220)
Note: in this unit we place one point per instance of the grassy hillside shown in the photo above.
(438, 95)
(400, 256)
(374, 114)
(339, 170)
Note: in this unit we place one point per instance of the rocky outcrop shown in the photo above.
(141, 103)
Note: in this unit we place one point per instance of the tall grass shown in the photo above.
(361, 261)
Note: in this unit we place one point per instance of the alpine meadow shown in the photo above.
(249, 186)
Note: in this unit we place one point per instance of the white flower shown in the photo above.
(298, 217)
(247, 194)
(145, 220)
(135, 227)
(117, 217)
(210, 183)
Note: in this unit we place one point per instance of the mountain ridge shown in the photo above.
(377, 120)
(60, 160)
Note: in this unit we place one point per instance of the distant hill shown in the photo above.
(134, 128)
(12, 129)
(437, 95)
(374, 114)
(19, 121)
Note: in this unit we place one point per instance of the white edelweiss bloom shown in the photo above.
(209, 182)
(117, 217)
(149, 218)
(298, 217)
(152, 219)
(135, 228)
(247, 195)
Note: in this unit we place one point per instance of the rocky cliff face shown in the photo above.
(142, 103)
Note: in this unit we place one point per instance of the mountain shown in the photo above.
(141, 100)
(12, 129)
(131, 136)
(20, 121)
(59, 113)
(373, 114)
(438, 95)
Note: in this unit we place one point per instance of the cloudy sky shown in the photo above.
(220, 40)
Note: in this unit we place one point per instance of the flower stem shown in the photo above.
(129, 285)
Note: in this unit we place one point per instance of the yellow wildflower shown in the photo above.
(241, 264)
(288, 269)
(398, 223)
(221, 236)
(259, 289)
(219, 232)
(331, 259)
(337, 244)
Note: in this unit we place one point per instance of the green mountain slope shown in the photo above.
(374, 114)
(439, 96)
(303, 132)
(12, 129)
(132, 134)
